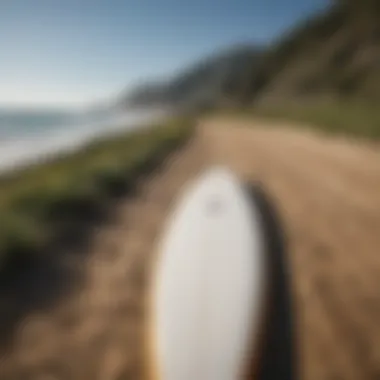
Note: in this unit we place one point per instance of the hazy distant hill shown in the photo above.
(207, 82)
(333, 54)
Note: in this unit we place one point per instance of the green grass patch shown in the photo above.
(36, 203)
(351, 119)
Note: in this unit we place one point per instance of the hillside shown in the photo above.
(333, 54)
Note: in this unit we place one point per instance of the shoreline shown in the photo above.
(51, 202)
(18, 153)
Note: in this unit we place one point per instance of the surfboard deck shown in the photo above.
(209, 284)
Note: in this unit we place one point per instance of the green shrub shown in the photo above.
(35, 202)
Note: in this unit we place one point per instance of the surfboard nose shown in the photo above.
(209, 283)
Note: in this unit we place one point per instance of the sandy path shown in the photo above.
(328, 195)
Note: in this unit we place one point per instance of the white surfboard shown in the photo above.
(208, 292)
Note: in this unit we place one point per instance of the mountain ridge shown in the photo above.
(333, 54)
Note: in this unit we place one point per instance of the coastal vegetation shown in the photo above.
(51, 202)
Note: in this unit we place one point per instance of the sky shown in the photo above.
(75, 52)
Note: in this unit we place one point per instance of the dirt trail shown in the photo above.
(328, 195)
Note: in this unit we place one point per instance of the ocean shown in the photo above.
(29, 136)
